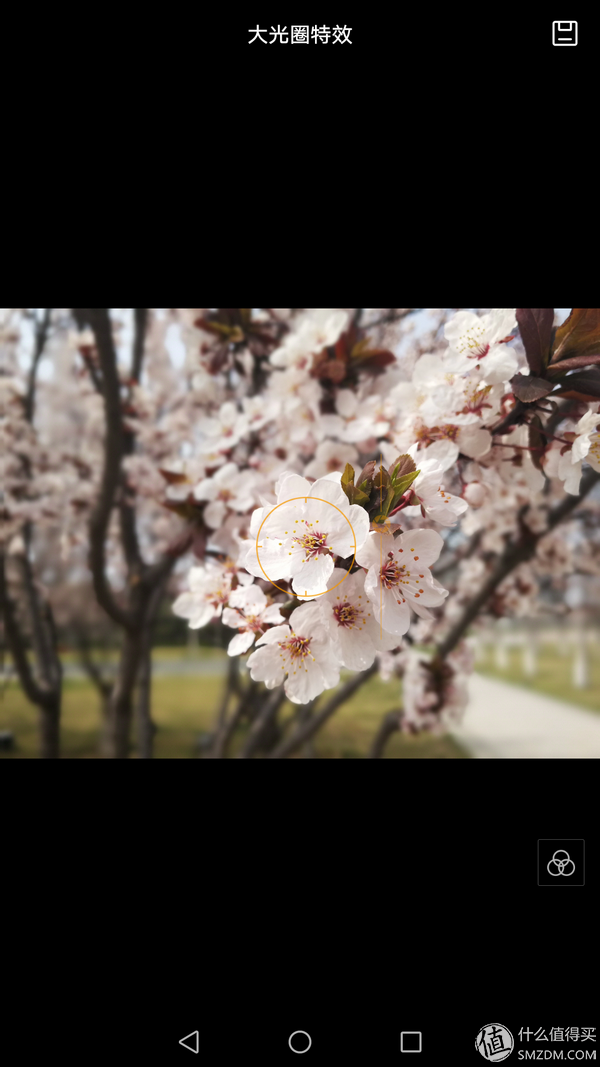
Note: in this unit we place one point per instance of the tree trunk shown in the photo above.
(50, 728)
(145, 726)
(105, 728)
(121, 702)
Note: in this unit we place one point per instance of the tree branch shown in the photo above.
(161, 570)
(225, 731)
(141, 324)
(42, 628)
(309, 729)
(261, 723)
(456, 557)
(392, 316)
(131, 545)
(41, 336)
(563, 410)
(99, 320)
(16, 642)
(512, 418)
(513, 555)
(91, 668)
(146, 728)
(390, 725)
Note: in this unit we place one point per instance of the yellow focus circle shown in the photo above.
(305, 499)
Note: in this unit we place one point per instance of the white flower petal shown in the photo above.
(214, 514)
(240, 643)
(233, 618)
(278, 633)
(313, 576)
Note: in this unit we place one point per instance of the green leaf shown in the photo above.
(389, 500)
(401, 466)
(354, 494)
(579, 335)
(404, 483)
(348, 476)
(361, 498)
(365, 478)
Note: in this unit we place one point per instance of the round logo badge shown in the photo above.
(495, 1042)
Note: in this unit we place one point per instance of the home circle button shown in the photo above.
(300, 1041)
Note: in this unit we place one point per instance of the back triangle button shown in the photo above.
(192, 1042)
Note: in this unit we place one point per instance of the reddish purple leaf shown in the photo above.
(583, 385)
(528, 388)
(535, 325)
(579, 335)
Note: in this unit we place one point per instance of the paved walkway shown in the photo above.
(505, 722)
(160, 669)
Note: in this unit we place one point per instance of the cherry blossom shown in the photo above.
(365, 416)
(437, 504)
(318, 329)
(399, 576)
(209, 591)
(348, 614)
(302, 652)
(228, 488)
(223, 430)
(300, 537)
(587, 440)
(478, 344)
(330, 456)
(249, 612)
(247, 433)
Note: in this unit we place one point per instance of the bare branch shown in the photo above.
(511, 419)
(42, 627)
(394, 315)
(513, 555)
(262, 721)
(146, 728)
(141, 325)
(131, 545)
(99, 320)
(17, 644)
(390, 725)
(161, 570)
(456, 557)
(92, 669)
(41, 336)
(309, 729)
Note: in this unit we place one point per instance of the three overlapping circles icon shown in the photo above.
(561, 863)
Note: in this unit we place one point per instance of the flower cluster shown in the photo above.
(348, 482)
(281, 499)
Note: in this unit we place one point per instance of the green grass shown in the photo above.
(162, 654)
(184, 707)
(553, 677)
